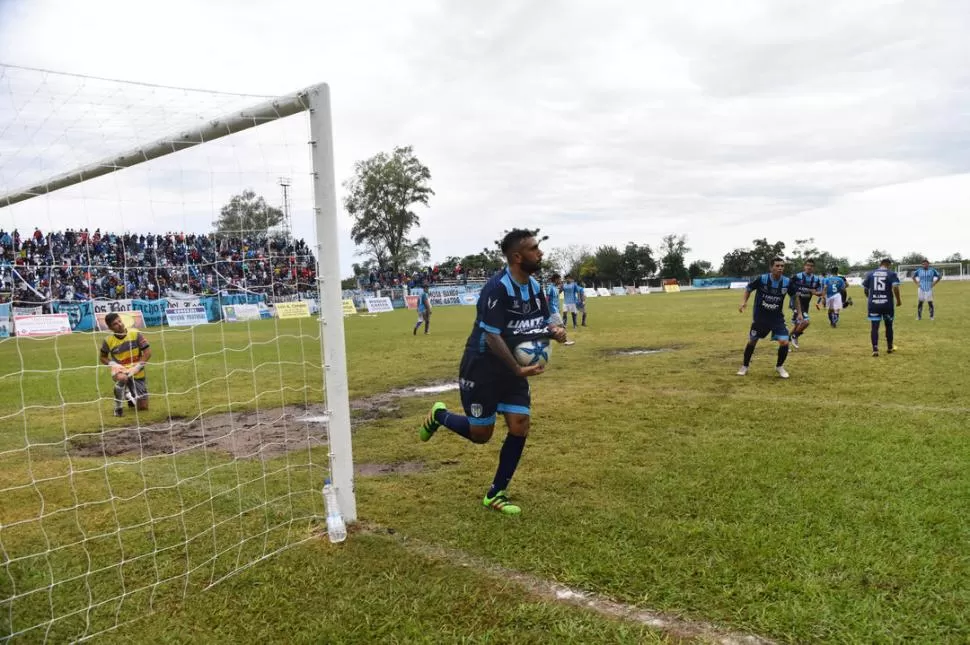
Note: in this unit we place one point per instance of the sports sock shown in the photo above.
(574, 320)
(748, 353)
(890, 331)
(932, 310)
(119, 395)
(457, 423)
(875, 335)
(508, 461)
(782, 355)
(919, 310)
(584, 317)
(835, 319)
(427, 325)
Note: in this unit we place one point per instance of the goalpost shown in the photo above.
(103, 518)
(953, 270)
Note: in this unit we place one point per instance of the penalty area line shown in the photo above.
(676, 627)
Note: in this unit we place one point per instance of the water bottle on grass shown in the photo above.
(336, 528)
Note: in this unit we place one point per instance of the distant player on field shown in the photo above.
(880, 287)
(807, 285)
(552, 297)
(126, 351)
(769, 313)
(424, 311)
(570, 292)
(925, 278)
(581, 302)
(834, 285)
(512, 308)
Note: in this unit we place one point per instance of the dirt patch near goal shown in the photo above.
(253, 434)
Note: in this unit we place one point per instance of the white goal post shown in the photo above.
(315, 101)
(952, 270)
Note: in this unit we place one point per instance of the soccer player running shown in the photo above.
(511, 309)
(834, 285)
(570, 292)
(769, 313)
(126, 351)
(880, 286)
(424, 311)
(925, 278)
(807, 285)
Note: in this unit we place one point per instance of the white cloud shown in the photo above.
(601, 122)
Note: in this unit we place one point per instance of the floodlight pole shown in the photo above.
(331, 299)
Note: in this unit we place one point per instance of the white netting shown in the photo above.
(101, 517)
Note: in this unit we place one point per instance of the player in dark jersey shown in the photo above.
(511, 309)
(807, 285)
(881, 286)
(769, 313)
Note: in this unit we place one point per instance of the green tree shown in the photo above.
(806, 249)
(955, 257)
(673, 249)
(609, 264)
(380, 198)
(698, 269)
(763, 252)
(638, 263)
(247, 213)
(913, 258)
(567, 259)
(737, 263)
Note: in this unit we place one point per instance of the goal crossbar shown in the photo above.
(265, 112)
(315, 100)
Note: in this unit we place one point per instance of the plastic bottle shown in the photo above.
(336, 529)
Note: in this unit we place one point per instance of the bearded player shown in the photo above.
(127, 352)
(511, 309)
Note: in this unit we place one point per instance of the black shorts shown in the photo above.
(882, 312)
(806, 305)
(489, 388)
(761, 328)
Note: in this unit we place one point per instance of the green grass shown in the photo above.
(832, 507)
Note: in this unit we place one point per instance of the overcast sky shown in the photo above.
(600, 122)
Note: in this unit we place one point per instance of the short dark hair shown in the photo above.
(554, 277)
(513, 239)
(885, 262)
(777, 259)
(569, 275)
(110, 318)
(810, 261)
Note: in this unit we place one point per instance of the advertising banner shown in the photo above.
(186, 316)
(79, 312)
(349, 307)
(292, 309)
(42, 325)
(5, 324)
(107, 306)
(379, 305)
(240, 313)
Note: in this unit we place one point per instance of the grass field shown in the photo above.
(832, 507)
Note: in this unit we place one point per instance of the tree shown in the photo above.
(763, 253)
(637, 264)
(806, 250)
(737, 263)
(380, 197)
(913, 258)
(247, 214)
(698, 269)
(673, 249)
(609, 264)
(877, 256)
(955, 257)
(567, 259)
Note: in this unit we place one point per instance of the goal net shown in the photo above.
(207, 223)
(953, 270)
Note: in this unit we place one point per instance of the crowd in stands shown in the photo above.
(430, 276)
(79, 265)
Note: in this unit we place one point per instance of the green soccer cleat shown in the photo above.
(501, 504)
(429, 426)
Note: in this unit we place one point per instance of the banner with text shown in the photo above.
(107, 306)
(379, 305)
(28, 311)
(240, 313)
(80, 313)
(349, 307)
(42, 325)
(292, 309)
(186, 316)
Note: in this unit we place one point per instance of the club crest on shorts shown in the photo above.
(476, 410)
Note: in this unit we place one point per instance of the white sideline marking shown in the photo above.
(668, 624)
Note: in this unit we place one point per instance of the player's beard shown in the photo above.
(531, 267)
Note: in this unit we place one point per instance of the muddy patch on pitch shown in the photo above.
(640, 351)
(253, 434)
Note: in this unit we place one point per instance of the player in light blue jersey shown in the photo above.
(424, 311)
(834, 285)
(581, 302)
(552, 296)
(570, 292)
(926, 278)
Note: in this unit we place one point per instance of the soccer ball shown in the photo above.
(532, 352)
